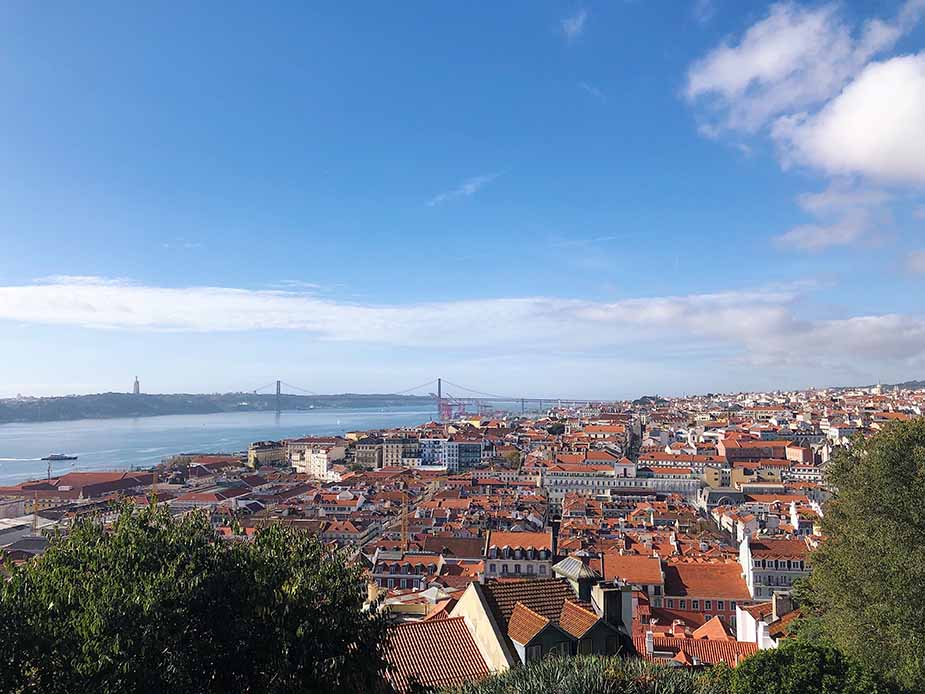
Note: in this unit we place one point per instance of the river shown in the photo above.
(123, 444)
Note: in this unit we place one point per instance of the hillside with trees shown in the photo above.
(109, 405)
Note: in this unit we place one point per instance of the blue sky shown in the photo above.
(588, 199)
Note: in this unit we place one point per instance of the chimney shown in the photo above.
(677, 629)
(615, 603)
(781, 604)
(650, 643)
(584, 588)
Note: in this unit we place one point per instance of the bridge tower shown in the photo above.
(279, 389)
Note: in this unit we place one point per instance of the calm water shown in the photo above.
(108, 444)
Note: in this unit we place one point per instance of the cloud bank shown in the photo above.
(759, 327)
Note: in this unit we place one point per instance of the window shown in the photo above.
(504, 568)
(516, 568)
(534, 653)
(720, 605)
(492, 568)
(695, 604)
(682, 604)
(708, 604)
(670, 603)
(542, 568)
(529, 568)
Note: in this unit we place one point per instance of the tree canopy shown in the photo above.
(796, 667)
(157, 604)
(868, 575)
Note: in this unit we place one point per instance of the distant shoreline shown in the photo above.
(126, 405)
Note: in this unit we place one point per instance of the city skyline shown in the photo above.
(592, 199)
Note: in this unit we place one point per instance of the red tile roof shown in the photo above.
(632, 568)
(714, 629)
(514, 540)
(704, 650)
(544, 596)
(789, 548)
(577, 619)
(715, 580)
(525, 624)
(434, 653)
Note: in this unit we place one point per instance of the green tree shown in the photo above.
(797, 667)
(868, 575)
(157, 604)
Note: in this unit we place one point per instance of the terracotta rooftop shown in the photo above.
(545, 596)
(713, 629)
(632, 568)
(576, 619)
(523, 540)
(760, 610)
(699, 580)
(766, 548)
(463, 547)
(704, 650)
(525, 624)
(782, 626)
(434, 653)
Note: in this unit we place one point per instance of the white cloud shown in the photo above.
(830, 99)
(592, 90)
(794, 59)
(915, 262)
(816, 237)
(573, 26)
(760, 325)
(875, 127)
(468, 187)
(847, 215)
(839, 197)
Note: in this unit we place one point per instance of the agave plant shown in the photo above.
(589, 675)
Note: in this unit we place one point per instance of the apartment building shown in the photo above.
(772, 564)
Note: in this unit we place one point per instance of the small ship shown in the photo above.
(59, 456)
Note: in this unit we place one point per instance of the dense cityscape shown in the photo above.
(670, 528)
(521, 347)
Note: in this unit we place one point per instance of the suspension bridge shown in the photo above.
(451, 400)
